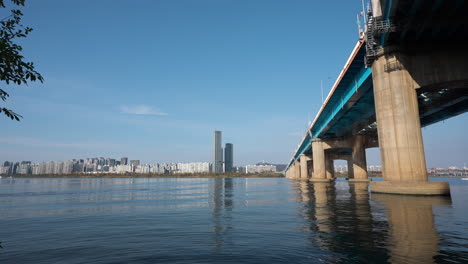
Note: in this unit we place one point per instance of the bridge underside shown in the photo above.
(423, 23)
(443, 101)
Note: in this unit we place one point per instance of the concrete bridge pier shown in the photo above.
(349, 162)
(297, 170)
(290, 174)
(304, 160)
(330, 168)
(310, 167)
(398, 124)
(358, 160)
(318, 153)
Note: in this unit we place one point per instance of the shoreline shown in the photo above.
(147, 175)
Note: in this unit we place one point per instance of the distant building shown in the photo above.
(240, 169)
(124, 161)
(41, 168)
(376, 168)
(50, 167)
(121, 168)
(24, 168)
(260, 168)
(78, 167)
(6, 168)
(58, 169)
(110, 162)
(228, 158)
(217, 153)
(194, 167)
(135, 162)
(68, 167)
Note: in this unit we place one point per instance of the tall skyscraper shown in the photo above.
(218, 153)
(124, 161)
(228, 158)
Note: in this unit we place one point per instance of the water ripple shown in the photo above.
(225, 220)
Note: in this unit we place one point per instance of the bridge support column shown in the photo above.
(319, 161)
(330, 168)
(289, 173)
(304, 168)
(399, 130)
(349, 162)
(297, 170)
(310, 168)
(359, 160)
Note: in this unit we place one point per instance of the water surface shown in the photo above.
(237, 220)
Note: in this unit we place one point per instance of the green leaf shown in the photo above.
(13, 67)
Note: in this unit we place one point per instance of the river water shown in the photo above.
(191, 220)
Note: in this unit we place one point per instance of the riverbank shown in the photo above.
(150, 175)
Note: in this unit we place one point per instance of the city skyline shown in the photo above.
(111, 165)
(172, 91)
(116, 166)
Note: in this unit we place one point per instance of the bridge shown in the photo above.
(409, 70)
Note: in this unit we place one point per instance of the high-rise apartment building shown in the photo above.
(228, 158)
(124, 161)
(135, 163)
(217, 153)
(260, 168)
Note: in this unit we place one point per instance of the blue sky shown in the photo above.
(152, 80)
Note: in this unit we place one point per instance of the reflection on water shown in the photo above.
(383, 228)
(340, 220)
(413, 237)
(222, 200)
(226, 220)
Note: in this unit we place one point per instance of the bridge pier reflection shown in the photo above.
(391, 228)
(341, 224)
(412, 235)
(360, 195)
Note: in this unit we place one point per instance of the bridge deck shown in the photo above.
(348, 107)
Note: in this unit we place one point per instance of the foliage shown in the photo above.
(13, 68)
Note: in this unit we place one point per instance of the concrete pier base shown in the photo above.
(411, 188)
